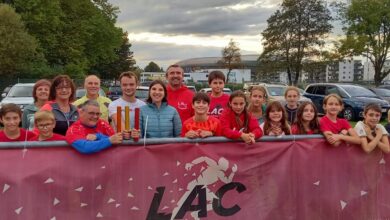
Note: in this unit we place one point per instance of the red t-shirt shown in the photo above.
(212, 124)
(218, 104)
(79, 131)
(295, 130)
(55, 137)
(24, 135)
(335, 127)
(232, 130)
(181, 100)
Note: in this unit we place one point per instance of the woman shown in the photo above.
(158, 119)
(41, 91)
(61, 95)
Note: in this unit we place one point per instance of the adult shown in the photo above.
(158, 119)
(91, 134)
(41, 91)
(179, 96)
(92, 87)
(128, 82)
(61, 96)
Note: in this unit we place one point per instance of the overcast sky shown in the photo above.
(167, 31)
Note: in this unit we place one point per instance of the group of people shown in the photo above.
(172, 110)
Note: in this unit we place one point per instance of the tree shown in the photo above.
(152, 67)
(295, 33)
(367, 27)
(231, 58)
(18, 49)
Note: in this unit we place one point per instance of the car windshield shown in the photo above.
(382, 92)
(358, 91)
(21, 91)
(114, 89)
(276, 90)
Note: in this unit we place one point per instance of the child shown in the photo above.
(10, 116)
(275, 123)
(237, 122)
(257, 96)
(336, 129)
(218, 99)
(292, 96)
(307, 120)
(371, 133)
(45, 122)
(201, 125)
(387, 126)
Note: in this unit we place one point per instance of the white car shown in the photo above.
(20, 94)
(208, 90)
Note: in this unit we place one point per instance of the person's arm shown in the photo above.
(352, 138)
(226, 125)
(384, 144)
(367, 145)
(332, 139)
(176, 124)
(87, 147)
(254, 128)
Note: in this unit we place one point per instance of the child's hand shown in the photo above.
(368, 130)
(344, 132)
(277, 131)
(135, 133)
(204, 134)
(91, 137)
(126, 135)
(192, 134)
(378, 132)
(247, 138)
(116, 138)
(333, 138)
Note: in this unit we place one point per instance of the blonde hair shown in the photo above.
(43, 115)
(334, 96)
(259, 88)
(291, 88)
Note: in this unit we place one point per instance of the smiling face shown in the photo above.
(372, 118)
(45, 128)
(128, 86)
(201, 107)
(333, 106)
(89, 115)
(42, 93)
(157, 93)
(63, 91)
(11, 121)
(308, 113)
(175, 76)
(92, 85)
(275, 115)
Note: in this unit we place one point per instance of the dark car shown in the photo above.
(383, 93)
(114, 92)
(354, 98)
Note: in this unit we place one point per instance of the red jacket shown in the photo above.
(232, 130)
(181, 100)
(79, 131)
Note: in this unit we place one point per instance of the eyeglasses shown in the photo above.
(62, 87)
(98, 114)
(44, 126)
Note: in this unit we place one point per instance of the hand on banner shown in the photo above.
(91, 137)
(204, 134)
(191, 134)
(116, 138)
(247, 138)
(126, 135)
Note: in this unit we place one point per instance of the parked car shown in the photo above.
(142, 93)
(192, 88)
(81, 92)
(384, 86)
(5, 91)
(208, 90)
(354, 98)
(20, 94)
(114, 92)
(383, 93)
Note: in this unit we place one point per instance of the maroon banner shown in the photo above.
(268, 180)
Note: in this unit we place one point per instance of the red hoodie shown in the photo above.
(232, 130)
(181, 100)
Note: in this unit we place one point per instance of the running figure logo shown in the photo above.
(210, 175)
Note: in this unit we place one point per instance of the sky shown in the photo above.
(167, 31)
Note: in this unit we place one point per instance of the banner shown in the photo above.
(306, 179)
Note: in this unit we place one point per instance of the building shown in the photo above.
(347, 70)
(235, 75)
(369, 71)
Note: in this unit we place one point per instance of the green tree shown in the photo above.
(18, 49)
(295, 33)
(152, 67)
(231, 58)
(367, 28)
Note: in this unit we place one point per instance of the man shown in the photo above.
(128, 82)
(92, 87)
(179, 96)
(90, 134)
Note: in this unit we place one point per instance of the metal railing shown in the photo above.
(153, 141)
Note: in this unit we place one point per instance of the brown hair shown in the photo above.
(58, 80)
(245, 124)
(43, 115)
(129, 74)
(284, 123)
(372, 106)
(314, 124)
(201, 96)
(10, 107)
(39, 83)
(216, 74)
(334, 96)
(291, 88)
(164, 99)
(175, 66)
(259, 88)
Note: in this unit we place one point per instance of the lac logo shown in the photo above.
(200, 188)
